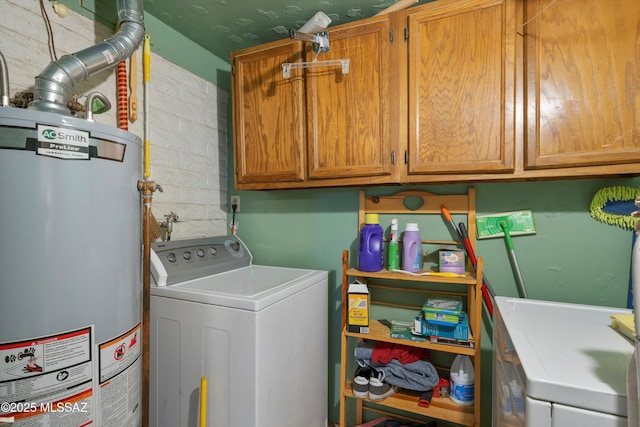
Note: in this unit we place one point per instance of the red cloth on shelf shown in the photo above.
(384, 353)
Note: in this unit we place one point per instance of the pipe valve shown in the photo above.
(168, 224)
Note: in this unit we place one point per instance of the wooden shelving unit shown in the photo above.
(470, 286)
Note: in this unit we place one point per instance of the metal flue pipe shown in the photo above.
(53, 84)
(4, 82)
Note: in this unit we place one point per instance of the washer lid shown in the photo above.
(569, 353)
(249, 288)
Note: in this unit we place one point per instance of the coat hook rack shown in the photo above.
(287, 66)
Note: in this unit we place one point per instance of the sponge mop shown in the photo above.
(614, 205)
(508, 224)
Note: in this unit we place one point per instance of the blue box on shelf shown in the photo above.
(458, 331)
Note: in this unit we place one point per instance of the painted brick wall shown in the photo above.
(187, 117)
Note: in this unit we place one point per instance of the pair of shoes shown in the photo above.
(368, 383)
(378, 389)
(361, 382)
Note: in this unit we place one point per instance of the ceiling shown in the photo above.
(223, 26)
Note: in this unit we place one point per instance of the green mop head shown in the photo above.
(614, 205)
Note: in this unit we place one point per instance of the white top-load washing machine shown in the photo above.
(258, 334)
(558, 365)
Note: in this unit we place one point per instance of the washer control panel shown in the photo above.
(180, 260)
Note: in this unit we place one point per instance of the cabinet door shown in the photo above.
(461, 87)
(349, 116)
(269, 115)
(582, 71)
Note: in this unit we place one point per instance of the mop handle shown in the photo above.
(504, 224)
(635, 283)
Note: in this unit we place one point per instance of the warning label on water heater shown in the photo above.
(121, 379)
(63, 143)
(47, 381)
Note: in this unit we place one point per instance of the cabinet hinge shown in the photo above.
(406, 34)
(406, 157)
(393, 157)
(236, 170)
(391, 35)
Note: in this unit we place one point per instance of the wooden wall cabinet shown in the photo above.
(268, 115)
(350, 117)
(582, 83)
(449, 91)
(319, 127)
(461, 95)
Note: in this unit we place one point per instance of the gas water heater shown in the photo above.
(70, 251)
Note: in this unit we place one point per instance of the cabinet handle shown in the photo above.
(391, 35)
(393, 157)
(406, 157)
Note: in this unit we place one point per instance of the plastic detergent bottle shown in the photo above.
(412, 248)
(462, 381)
(393, 256)
(370, 256)
(518, 401)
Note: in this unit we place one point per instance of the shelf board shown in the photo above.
(380, 332)
(469, 279)
(440, 408)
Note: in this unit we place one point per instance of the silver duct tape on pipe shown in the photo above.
(53, 84)
(4, 82)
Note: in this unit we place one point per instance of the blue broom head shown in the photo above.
(614, 206)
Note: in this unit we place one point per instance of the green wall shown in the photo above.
(571, 258)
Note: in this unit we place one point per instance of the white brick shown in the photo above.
(187, 117)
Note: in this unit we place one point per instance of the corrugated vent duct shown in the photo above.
(53, 84)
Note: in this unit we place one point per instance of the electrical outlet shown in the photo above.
(235, 200)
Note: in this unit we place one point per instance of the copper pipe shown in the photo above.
(146, 188)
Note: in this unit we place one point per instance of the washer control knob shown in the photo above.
(200, 253)
(234, 248)
(186, 255)
(171, 257)
(213, 251)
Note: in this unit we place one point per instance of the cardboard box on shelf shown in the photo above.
(358, 308)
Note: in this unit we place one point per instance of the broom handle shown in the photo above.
(473, 258)
(463, 236)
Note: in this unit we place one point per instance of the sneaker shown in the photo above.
(378, 389)
(361, 382)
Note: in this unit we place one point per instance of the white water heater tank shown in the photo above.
(70, 279)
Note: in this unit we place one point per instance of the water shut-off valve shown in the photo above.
(168, 224)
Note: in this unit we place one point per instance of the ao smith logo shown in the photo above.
(63, 143)
(52, 135)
